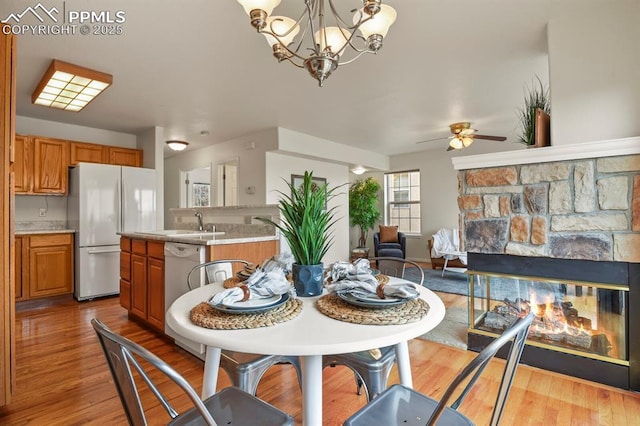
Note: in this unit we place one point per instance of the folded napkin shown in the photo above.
(357, 280)
(259, 285)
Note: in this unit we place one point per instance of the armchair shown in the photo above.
(389, 248)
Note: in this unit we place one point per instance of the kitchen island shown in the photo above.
(144, 288)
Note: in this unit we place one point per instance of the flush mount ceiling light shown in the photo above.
(69, 87)
(358, 170)
(327, 46)
(177, 145)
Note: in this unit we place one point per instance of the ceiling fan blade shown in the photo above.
(491, 138)
(434, 139)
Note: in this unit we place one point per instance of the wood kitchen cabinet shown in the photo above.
(41, 165)
(254, 252)
(146, 284)
(43, 265)
(82, 152)
(124, 156)
(125, 273)
(23, 164)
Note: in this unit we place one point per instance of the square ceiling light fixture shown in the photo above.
(69, 87)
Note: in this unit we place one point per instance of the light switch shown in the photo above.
(251, 190)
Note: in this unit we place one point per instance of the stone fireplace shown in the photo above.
(566, 220)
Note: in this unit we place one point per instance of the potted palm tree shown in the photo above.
(306, 225)
(363, 208)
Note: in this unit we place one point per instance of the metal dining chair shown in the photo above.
(400, 405)
(372, 368)
(229, 406)
(245, 370)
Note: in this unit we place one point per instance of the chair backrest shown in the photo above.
(395, 267)
(213, 271)
(518, 332)
(121, 353)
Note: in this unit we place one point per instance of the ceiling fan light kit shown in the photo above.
(329, 46)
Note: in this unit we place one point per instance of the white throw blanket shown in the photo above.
(447, 240)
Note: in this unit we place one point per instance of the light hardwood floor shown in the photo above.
(62, 378)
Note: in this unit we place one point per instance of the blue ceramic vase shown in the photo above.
(307, 279)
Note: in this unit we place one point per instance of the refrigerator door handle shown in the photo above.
(103, 250)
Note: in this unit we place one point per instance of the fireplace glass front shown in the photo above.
(580, 318)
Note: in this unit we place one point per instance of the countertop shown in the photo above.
(203, 241)
(44, 231)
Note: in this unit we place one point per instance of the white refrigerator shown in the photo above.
(104, 200)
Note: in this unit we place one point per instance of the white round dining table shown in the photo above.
(310, 335)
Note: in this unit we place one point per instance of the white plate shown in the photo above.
(235, 309)
(371, 303)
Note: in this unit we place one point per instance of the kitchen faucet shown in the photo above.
(200, 224)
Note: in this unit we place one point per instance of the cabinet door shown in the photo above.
(86, 153)
(50, 266)
(155, 293)
(139, 285)
(23, 164)
(51, 160)
(125, 156)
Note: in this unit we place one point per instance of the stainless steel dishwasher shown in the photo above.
(179, 258)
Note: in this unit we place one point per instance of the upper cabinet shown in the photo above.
(41, 163)
(82, 152)
(51, 160)
(125, 156)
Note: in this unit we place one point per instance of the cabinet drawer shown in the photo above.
(125, 244)
(50, 240)
(139, 246)
(155, 249)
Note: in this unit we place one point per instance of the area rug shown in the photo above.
(452, 331)
(452, 282)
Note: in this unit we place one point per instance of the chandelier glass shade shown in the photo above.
(320, 39)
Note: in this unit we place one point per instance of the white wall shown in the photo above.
(282, 166)
(53, 129)
(28, 208)
(151, 141)
(249, 150)
(594, 83)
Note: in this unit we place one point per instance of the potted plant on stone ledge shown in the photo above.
(306, 225)
(363, 210)
(534, 116)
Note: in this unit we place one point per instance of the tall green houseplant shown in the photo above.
(307, 220)
(536, 96)
(306, 225)
(363, 206)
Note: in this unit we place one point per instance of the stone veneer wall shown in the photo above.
(580, 209)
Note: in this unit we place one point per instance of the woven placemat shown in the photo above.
(204, 315)
(334, 307)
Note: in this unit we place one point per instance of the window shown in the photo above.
(201, 194)
(402, 200)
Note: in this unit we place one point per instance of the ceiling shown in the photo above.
(198, 65)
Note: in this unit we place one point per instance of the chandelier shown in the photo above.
(325, 46)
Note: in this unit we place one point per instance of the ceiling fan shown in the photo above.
(463, 136)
